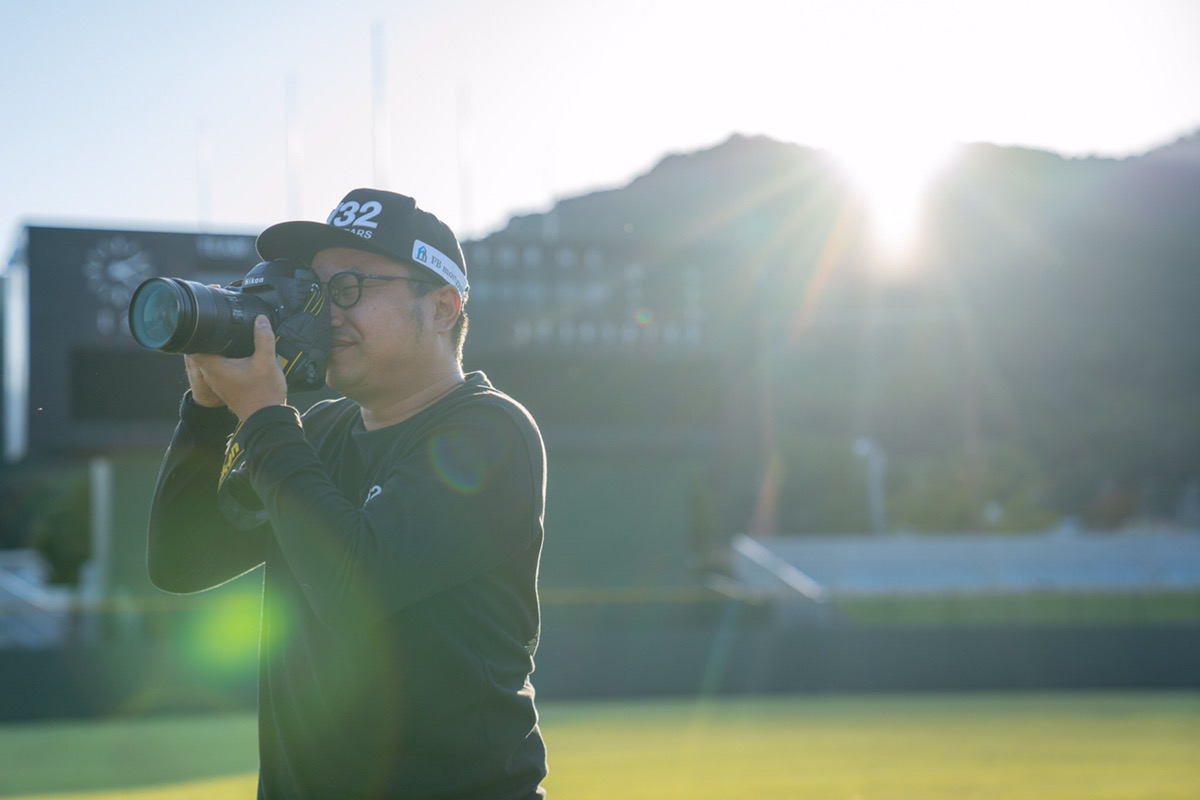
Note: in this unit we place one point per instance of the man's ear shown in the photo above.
(447, 306)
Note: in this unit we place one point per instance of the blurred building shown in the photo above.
(709, 352)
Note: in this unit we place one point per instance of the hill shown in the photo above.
(1039, 358)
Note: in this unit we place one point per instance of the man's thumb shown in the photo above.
(264, 337)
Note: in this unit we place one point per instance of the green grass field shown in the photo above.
(1053, 746)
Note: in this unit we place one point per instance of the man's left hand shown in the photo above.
(247, 384)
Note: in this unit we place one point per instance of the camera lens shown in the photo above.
(178, 316)
(154, 312)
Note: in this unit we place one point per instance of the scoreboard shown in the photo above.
(582, 300)
(594, 337)
(74, 378)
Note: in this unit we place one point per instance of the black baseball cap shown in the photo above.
(376, 221)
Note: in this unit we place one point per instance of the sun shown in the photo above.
(893, 176)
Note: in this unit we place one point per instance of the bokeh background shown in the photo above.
(862, 335)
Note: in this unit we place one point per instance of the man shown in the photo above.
(403, 527)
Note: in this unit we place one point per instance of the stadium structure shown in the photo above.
(717, 386)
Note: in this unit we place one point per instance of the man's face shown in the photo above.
(379, 345)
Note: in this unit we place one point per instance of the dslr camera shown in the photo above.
(178, 316)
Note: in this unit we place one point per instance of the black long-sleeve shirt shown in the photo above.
(400, 609)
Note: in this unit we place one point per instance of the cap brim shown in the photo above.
(302, 239)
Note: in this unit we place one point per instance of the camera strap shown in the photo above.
(235, 496)
(302, 343)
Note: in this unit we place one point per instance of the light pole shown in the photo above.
(875, 463)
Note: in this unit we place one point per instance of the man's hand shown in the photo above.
(202, 393)
(244, 384)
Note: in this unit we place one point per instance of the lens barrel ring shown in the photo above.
(174, 315)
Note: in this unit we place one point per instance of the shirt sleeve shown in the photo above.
(464, 500)
(191, 546)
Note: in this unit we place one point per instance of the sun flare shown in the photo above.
(893, 178)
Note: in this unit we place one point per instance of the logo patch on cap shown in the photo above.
(440, 263)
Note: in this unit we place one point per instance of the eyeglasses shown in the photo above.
(345, 288)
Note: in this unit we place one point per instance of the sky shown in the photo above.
(230, 115)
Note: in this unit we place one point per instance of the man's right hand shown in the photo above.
(202, 393)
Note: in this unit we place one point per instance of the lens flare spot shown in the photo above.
(224, 634)
(458, 462)
(644, 317)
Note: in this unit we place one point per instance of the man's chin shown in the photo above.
(335, 380)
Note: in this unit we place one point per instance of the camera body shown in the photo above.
(180, 316)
